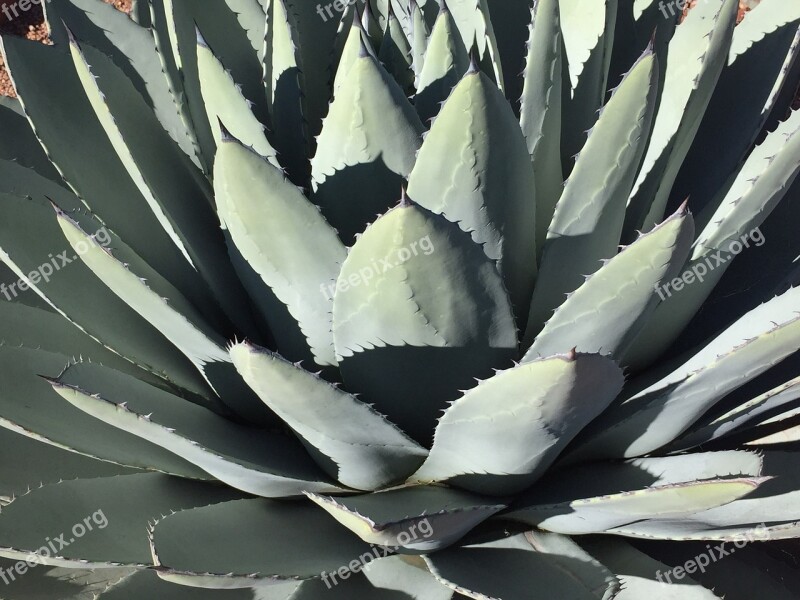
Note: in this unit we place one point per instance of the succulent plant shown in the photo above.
(341, 300)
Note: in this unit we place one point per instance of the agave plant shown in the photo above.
(355, 308)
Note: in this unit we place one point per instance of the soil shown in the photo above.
(30, 24)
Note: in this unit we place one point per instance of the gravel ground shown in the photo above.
(31, 25)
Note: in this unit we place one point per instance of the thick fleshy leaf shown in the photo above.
(623, 291)
(395, 54)
(98, 523)
(501, 436)
(641, 576)
(19, 143)
(35, 463)
(595, 499)
(446, 61)
(175, 190)
(33, 581)
(475, 170)
(133, 49)
(660, 412)
(540, 111)
(164, 307)
(72, 137)
(147, 584)
(416, 293)
(287, 242)
(412, 519)
(764, 47)
(226, 106)
(249, 543)
(45, 417)
(697, 54)
(367, 147)
(770, 512)
(588, 218)
(510, 568)
(406, 575)
(759, 186)
(352, 442)
(33, 245)
(253, 460)
(588, 32)
(743, 416)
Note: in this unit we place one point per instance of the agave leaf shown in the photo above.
(770, 512)
(269, 221)
(147, 584)
(221, 25)
(501, 436)
(754, 569)
(56, 582)
(353, 443)
(764, 46)
(472, 19)
(177, 194)
(510, 568)
(72, 137)
(47, 419)
(416, 583)
(225, 105)
(371, 21)
(540, 112)
(33, 242)
(446, 61)
(640, 575)
(623, 291)
(420, 35)
(412, 519)
(245, 543)
(133, 49)
(475, 170)
(118, 509)
(249, 459)
(395, 54)
(176, 38)
(511, 21)
(585, 500)
(408, 575)
(315, 38)
(252, 17)
(164, 307)
(36, 463)
(416, 293)
(140, 12)
(368, 145)
(759, 186)
(353, 40)
(588, 31)
(19, 143)
(660, 412)
(586, 226)
(697, 55)
(282, 78)
(46, 330)
(741, 417)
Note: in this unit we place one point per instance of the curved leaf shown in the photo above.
(501, 436)
(356, 445)
(416, 293)
(249, 459)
